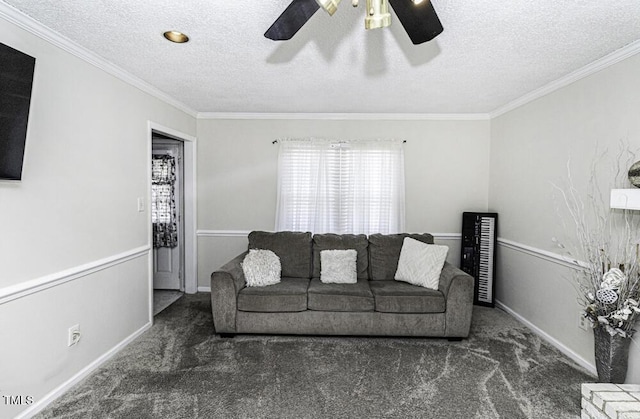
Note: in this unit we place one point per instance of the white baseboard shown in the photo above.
(66, 386)
(204, 289)
(544, 335)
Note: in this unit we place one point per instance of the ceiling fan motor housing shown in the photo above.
(378, 15)
(329, 6)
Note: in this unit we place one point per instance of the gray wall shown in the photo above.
(530, 149)
(73, 247)
(446, 172)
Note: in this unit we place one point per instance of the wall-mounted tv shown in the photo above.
(16, 80)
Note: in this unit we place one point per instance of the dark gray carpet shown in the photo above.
(180, 369)
(164, 298)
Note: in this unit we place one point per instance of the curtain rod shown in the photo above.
(276, 141)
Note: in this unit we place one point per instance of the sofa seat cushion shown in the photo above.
(290, 294)
(400, 297)
(340, 297)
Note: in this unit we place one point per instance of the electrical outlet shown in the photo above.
(583, 322)
(74, 335)
(140, 204)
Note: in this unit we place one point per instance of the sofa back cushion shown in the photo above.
(384, 252)
(332, 241)
(293, 249)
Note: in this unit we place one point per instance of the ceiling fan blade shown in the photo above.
(292, 19)
(420, 21)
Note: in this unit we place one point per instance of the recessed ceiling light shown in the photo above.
(177, 37)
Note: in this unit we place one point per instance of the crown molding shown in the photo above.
(594, 67)
(348, 116)
(36, 28)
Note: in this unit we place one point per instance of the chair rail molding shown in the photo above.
(13, 292)
(542, 254)
(244, 233)
(222, 233)
(447, 236)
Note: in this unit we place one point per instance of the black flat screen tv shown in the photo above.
(16, 80)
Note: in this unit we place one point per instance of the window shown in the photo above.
(341, 186)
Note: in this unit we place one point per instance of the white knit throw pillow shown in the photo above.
(261, 268)
(338, 266)
(421, 263)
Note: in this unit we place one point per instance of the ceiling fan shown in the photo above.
(418, 17)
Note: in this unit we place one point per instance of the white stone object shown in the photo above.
(607, 401)
(625, 199)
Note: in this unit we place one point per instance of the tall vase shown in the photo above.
(612, 356)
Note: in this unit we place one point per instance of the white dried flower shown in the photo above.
(612, 279)
(620, 316)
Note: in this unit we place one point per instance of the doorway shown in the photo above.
(167, 215)
(189, 215)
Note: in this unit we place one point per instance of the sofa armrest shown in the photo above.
(226, 283)
(457, 287)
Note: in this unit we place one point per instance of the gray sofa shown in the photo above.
(376, 305)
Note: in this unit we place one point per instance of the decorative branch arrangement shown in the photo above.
(608, 283)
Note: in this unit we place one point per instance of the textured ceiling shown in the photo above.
(490, 53)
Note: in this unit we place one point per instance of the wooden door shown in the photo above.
(168, 262)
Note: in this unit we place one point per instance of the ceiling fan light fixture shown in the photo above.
(378, 15)
(329, 6)
(176, 37)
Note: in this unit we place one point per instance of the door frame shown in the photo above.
(190, 215)
(161, 144)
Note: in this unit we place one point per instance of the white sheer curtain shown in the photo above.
(341, 186)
